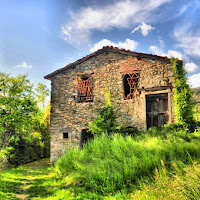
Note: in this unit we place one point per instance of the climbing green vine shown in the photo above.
(105, 121)
(183, 102)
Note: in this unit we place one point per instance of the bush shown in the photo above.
(24, 150)
(105, 121)
(110, 163)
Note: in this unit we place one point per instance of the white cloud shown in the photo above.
(190, 67)
(183, 9)
(188, 40)
(174, 54)
(194, 80)
(156, 50)
(66, 30)
(24, 65)
(169, 54)
(145, 29)
(128, 44)
(162, 43)
(121, 14)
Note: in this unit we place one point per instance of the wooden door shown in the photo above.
(157, 110)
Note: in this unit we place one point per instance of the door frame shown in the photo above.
(168, 91)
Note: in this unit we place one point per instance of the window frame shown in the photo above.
(84, 88)
(132, 84)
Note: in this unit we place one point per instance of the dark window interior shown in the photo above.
(126, 86)
(85, 137)
(65, 135)
(130, 82)
(84, 77)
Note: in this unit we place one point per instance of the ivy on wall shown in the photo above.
(183, 102)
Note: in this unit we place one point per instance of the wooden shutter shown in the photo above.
(85, 89)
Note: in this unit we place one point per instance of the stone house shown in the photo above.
(141, 87)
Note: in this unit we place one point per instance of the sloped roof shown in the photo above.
(107, 49)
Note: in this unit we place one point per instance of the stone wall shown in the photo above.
(68, 115)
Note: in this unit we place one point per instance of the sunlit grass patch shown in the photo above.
(183, 184)
(25, 181)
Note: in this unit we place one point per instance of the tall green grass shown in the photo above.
(183, 183)
(110, 163)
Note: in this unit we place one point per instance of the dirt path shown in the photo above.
(26, 182)
(39, 164)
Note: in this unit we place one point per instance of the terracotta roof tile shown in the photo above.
(105, 48)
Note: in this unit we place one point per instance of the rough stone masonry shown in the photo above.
(141, 87)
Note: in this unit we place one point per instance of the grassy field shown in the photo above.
(158, 164)
(37, 181)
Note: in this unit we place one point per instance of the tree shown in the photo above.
(17, 107)
(41, 92)
(23, 131)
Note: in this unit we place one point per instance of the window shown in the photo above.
(85, 88)
(65, 135)
(130, 84)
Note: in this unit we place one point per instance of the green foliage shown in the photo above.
(17, 107)
(196, 97)
(105, 121)
(24, 150)
(111, 163)
(20, 116)
(26, 182)
(183, 183)
(38, 181)
(182, 95)
(41, 93)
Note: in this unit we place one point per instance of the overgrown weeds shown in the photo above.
(112, 163)
(183, 183)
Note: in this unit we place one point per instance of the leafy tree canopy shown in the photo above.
(20, 114)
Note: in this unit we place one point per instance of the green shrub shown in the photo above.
(105, 121)
(24, 150)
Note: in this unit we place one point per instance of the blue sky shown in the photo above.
(40, 36)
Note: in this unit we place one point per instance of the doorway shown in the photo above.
(157, 110)
(85, 137)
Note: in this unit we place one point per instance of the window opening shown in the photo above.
(130, 84)
(85, 88)
(65, 135)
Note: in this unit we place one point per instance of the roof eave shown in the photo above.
(107, 49)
